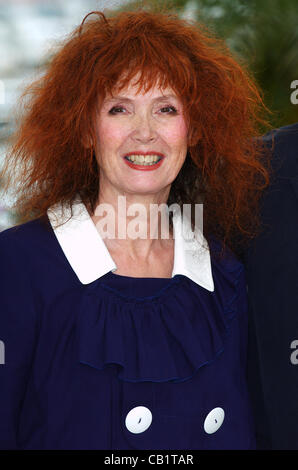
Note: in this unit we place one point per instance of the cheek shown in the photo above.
(109, 133)
(177, 133)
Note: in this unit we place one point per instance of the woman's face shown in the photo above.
(134, 124)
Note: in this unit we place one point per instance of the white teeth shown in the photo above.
(144, 159)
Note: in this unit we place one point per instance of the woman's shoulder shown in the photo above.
(19, 240)
(21, 244)
(19, 253)
(28, 232)
(32, 247)
(34, 238)
(229, 276)
(223, 257)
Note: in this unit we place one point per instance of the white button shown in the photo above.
(214, 420)
(138, 419)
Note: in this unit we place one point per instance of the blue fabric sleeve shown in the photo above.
(243, 336)
(18, 329)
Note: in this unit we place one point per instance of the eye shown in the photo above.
(112, 111)
(174, 110)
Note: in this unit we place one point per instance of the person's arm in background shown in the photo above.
(271, 264)
(18, 333)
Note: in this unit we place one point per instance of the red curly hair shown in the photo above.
(226, 166)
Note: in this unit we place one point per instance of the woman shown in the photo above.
(120, 342)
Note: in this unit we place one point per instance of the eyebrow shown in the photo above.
(123, 98)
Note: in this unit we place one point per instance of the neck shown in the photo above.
(135, 231)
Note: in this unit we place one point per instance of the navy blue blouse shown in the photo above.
(122, 362)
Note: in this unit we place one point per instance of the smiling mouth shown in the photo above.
(148, 160)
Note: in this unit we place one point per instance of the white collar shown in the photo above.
(90, 259)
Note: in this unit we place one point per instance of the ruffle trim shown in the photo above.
(164, 338)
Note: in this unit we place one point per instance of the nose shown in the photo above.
(144, 129)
